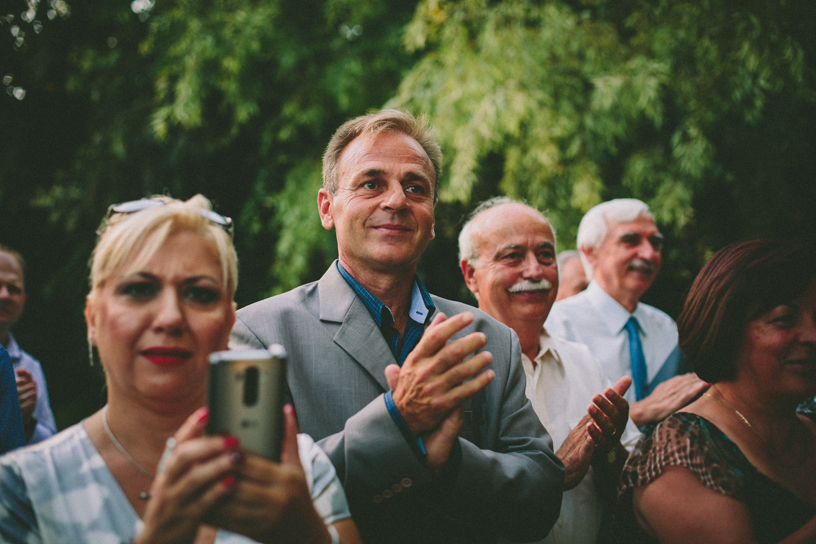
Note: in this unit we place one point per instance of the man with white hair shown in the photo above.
(620, 247)
(507, 256)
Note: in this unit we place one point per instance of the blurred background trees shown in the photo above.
(704, 109)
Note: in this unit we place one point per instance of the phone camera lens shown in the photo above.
(251, 386)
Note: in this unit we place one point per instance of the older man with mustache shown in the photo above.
(507, 256)
(620, 247)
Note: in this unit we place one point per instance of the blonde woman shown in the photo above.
(163, 275)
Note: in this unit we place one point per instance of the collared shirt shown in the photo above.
(42, 412)
(808, 408)
(560, 386)
(422, 308)
(597, 320)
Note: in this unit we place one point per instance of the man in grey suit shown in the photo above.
(424, 416)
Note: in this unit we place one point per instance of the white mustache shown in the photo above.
(641, 265)
(527, 285)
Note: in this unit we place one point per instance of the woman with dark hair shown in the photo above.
(738, 464)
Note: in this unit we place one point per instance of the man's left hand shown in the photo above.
(439, 442)
(610, 414)
(440, 374)
(667, 398)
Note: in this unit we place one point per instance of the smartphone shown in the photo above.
(246, 396)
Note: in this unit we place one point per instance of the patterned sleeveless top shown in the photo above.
(693, 442)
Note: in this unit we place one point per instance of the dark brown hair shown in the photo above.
(739, 283)
(372, 125)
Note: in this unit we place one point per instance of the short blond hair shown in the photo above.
(138, 236)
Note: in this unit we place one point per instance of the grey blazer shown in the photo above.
(504, 479)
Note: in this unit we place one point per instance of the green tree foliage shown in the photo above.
(233, 99)
(277, 77)
(704, 109)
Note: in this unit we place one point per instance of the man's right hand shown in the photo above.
(576, 453)
(667, 398)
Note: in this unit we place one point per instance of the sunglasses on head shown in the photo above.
(138, 205)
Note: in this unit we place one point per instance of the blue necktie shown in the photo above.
(638, 361)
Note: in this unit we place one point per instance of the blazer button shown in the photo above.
(378, 499)
(406, 482)
(396, 488)
(387, 494)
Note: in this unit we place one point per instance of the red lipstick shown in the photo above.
(164, 356)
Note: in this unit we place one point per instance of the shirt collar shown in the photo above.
(547, 351)
(422, 306)
(611, 312)
(13, 348)
(546, 344)
(421, 303)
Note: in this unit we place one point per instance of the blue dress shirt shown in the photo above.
(422, 308)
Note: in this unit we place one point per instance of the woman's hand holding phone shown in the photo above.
(271, 501)
(198, 473)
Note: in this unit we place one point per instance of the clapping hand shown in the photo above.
(436, 379)
(610, 414)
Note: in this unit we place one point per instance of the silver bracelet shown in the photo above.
(334, 534)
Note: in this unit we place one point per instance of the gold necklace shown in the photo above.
(768, 448)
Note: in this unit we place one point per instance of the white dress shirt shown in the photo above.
(595, 319)
(560, 386)
(42, 412)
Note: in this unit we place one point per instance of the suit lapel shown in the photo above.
(358, 334)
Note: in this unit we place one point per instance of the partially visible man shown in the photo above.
(571, 276)
(432, 445)
(507, 256)
(620, 247)
(12, 434)
(32, 392)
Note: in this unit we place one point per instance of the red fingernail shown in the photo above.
(291, 407)
(204, 415)
(231, 442)
(228, 481)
